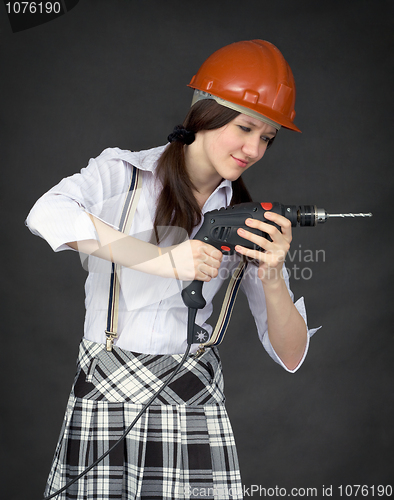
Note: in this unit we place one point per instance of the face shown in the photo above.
(232, 149)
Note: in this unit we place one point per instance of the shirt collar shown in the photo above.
(144, 160)
(224, 187)
(147, 160)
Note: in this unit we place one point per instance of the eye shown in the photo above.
(269, 141)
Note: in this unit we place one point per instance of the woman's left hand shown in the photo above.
(270, 261)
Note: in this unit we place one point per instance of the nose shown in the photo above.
(253, 146)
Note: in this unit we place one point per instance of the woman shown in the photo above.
(182, 446)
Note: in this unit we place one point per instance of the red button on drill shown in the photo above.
(266, 206)
(225, 249)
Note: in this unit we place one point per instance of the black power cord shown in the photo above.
(144, 408)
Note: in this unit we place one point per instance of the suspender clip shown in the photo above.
(200, 352)
(110, 339)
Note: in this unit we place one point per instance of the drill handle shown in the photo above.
(219, 229)
(192, 294)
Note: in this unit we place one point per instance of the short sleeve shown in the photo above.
(60, 215)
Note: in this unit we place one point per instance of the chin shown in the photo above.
(233, 177)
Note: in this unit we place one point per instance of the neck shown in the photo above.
(205, 179)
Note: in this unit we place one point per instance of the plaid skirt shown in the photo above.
(182, 447)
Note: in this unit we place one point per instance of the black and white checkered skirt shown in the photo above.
(182, 447)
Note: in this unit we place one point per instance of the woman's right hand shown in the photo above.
(194, 259)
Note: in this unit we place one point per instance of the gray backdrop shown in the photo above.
(114, 73)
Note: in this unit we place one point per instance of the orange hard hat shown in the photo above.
(252, 77)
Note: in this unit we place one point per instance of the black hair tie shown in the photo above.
(182, 135)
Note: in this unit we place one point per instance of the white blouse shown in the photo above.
(152, 315)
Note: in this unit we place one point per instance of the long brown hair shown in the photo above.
(177, 205)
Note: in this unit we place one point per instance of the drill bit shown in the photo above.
(351, 215)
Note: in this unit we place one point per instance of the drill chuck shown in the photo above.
(310, 215)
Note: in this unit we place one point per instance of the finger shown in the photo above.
(284, 223)
(253, 254)
(205, 272)
(272, 259)
(213, 252)
(212, 263)
(206, 250)
(210, 260)
(276, 250)
(255, 238)
(271, 230)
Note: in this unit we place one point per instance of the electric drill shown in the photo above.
(219, 229)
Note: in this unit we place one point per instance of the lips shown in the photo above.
(240, 163)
